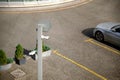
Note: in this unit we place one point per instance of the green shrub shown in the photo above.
(10, 60)
(3, 58)
(45, 48)
(19, 52)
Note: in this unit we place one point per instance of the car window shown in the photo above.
(117, 30)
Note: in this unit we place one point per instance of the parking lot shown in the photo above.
(76, 54)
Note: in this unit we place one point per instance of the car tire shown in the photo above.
(99, 36)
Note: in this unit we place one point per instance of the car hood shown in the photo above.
(107, 25)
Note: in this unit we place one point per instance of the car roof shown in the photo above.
(107, 25)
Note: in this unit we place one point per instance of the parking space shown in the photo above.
(100, 61)
(107, 58)
(113, 50)
(80, 66)
(56, 67)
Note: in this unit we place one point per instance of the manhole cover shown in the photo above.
(18, 73)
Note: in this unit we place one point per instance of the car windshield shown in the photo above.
(115, 27)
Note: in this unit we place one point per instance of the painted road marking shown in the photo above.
(49, 10)
(103, 46)
(79, 65)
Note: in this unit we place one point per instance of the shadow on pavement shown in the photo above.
(89, 33)
(26, 52)
(111, 45)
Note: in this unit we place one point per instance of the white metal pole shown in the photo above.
(39, 52)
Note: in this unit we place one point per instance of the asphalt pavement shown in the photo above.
(79, 59)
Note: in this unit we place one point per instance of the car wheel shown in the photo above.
(99, 36)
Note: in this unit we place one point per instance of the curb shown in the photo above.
(31, 4)
(45, 8)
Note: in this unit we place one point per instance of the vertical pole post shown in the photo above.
(39, 52)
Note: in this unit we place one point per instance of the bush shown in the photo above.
(10, 60)
(19, 52)
(45, 48)
(3, 58)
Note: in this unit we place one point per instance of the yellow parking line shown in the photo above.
(103, 46)
(88, 40)
(79, 65)
(49, 10)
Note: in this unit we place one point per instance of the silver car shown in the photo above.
(109, 31)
